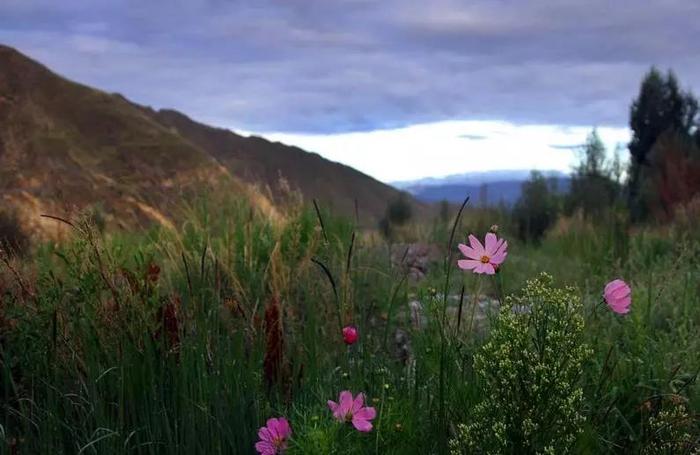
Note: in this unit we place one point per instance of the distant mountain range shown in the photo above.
(66, 147)
(484, 188)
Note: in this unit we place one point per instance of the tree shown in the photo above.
(537, 209)
(673, 179)
(594, 185)
(660, 107)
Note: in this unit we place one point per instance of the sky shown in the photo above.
(399, 89)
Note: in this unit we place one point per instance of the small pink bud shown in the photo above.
(350, 334)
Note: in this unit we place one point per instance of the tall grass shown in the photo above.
(187, 341)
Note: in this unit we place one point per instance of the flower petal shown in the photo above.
(498, 258)
(502, 247)
(283, 428)
(613, 286)
(468, 251)
(335, 409)
(491, 244)
(468, 264)
(362, 425)
(357, 403)
(265, 448)
(273, 426)
(476, 246)
(345, 402)
(486, 268)
(264, 434)
(333, 405)
(367, 413)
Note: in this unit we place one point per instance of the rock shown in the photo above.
(415, 258)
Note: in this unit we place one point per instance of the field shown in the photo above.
(187, 341)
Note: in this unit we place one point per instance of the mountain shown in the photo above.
(258, 161)
(484, 188)
(66, 147)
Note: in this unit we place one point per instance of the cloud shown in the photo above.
(312, 66)
(437, 148)
(473, 137)
(567, 146)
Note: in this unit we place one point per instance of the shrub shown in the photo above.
(672, 430)
(13, 239)
(398, 212)
(529, 373)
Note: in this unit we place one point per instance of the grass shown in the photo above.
(168, 342)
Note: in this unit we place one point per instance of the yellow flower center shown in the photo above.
(485, 259)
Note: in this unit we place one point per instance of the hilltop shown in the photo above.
(66, 147)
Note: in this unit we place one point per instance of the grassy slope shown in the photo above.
(259, 161)
(66, 146)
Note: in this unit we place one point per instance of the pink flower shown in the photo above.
(350, 334)
(482, 259)
(618, 296)
(273, 437)
(352, 410)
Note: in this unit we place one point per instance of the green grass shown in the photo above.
(90, 366)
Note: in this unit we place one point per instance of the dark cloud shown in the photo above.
(348, 65)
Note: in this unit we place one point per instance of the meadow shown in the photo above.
(187, 341)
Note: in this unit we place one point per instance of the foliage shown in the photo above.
(13, 239)
(398, 212)
(673, 177)
(672, 430)
(530, 371)
(158, 342)
(537, 209)
(593, 186)
(660, 107)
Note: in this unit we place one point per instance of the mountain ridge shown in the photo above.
(67, 147)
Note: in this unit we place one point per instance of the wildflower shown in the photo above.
(353, 410)
(483, 259)
(273, 437)
(618, 296)
(350, 334)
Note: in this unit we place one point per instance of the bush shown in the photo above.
(672, 430)
(530, 371)
(13, 239)
(398, 213)
(399, 210)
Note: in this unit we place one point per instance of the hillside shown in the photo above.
(261, 162)
(66, 147)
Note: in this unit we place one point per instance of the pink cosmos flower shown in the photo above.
(618, 296)
(352, 410)
(483, 259)
(273, 437)
(350, 334)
